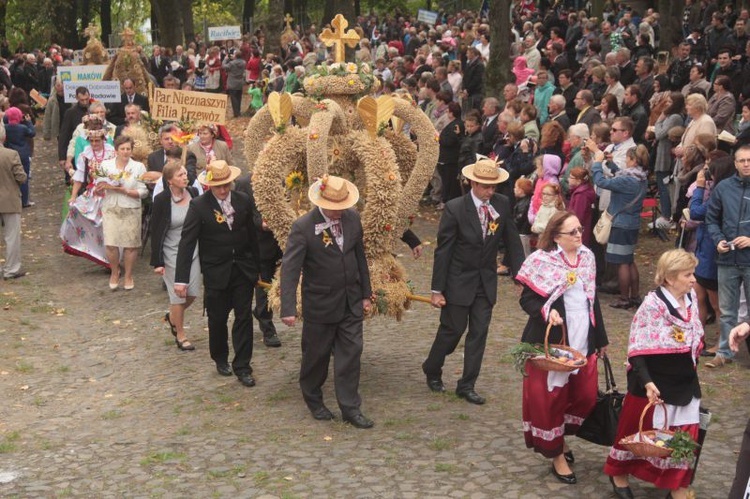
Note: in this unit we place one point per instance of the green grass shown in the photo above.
(445, 467)
(9, 442)
(113, 414)
(63, 369)
(278, 396)
(162, 457)
(439, 443)
(24, 367)
(463, 417)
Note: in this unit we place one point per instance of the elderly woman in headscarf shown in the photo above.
(521, 70)
(207, 148)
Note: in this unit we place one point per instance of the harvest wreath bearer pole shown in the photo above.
(421, 298)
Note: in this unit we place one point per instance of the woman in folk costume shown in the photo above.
(559, 288)
(81, 231)
(666, 338)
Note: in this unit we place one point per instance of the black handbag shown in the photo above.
(600, 427)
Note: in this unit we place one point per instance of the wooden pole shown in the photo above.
(418, 298)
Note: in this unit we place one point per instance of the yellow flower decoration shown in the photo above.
(209, 176)
(492, 228)
(327, 238)
(220, 218)
(350, 83)
(678, 334)
(571, 278)
(294, 180)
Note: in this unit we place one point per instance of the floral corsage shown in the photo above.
(492, 227)
(220, 218)
(327, 240)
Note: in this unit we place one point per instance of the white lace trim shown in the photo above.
(657, 462)
(554, 433)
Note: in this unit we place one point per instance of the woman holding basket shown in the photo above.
(559, 294)
(666, 338)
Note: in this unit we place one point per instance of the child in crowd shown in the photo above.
(256, 96)
(522, 192)
(552, 203)
(547, 171)
(582, 198)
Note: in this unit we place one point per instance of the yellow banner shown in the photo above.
(176, 105)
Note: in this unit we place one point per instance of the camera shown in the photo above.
(707, 174)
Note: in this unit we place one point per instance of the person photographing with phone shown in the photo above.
(727, 209)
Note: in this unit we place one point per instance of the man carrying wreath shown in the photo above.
(326, 245)
(464, 274)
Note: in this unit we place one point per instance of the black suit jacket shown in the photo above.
(116, 111)
(161, 217)
(155, 163)
(563, 119)
(269, 248)
(159, 71)
(463, 258)
(590, 118)
(332, 279)
(489, 136)
(220, 247)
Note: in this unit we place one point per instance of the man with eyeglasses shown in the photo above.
(728, 210)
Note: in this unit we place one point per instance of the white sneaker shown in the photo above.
(664, 224)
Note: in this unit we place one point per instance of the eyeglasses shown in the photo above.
(618, 129)
(574, 232)
(742, 161)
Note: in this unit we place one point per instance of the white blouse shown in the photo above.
(130, 179)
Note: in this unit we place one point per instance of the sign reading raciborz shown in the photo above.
(176, 105)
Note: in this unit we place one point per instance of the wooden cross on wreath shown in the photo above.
(288, 18)
(339, 37)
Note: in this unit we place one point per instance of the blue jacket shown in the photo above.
(624, 189)
(705, 249)
(728, 216)
(16, 139)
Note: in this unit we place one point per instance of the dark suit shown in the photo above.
(157, 159)
(465, 272)
(333, 287)
(160, 70)
(563, 119)
(489, 136)
(116, 111)
(270, 257)
(230, 262)
(590, 118)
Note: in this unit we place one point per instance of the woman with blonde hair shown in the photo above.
(666, 338)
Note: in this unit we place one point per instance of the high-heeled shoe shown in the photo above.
(621, 492)
(171, 326)
(184, 345)
(566, 479)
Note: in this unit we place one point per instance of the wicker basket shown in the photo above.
(549, 363)
(645, 449)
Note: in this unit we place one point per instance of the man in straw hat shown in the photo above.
(222, 222)
(326, 245)
(464, 274)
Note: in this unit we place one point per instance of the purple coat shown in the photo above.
(582, 198)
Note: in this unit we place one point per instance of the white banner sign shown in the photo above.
(427, 16)
(224, 33)
(103, 91)
(81, 73)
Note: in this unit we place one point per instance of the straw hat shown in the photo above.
(218, 173)
(485, 171)
(333, 193)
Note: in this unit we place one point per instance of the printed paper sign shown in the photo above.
(427, 16)
(81, 73)
(176, 105)
(224, 33)
(103, 91)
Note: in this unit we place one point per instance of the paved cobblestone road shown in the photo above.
(98, 402)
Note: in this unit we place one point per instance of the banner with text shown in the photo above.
(81, 73)
(427, 16)
(176, 105)
(224, 33)
(103, 91)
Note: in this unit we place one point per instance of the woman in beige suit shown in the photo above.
(207, 148)
(121, 209)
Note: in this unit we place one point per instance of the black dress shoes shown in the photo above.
(246, 379)
(622, 492)
(436, 385)
(224, 369)
(471, 396)
(271, 340)
(323, 414)
(359, 421)
(566, 479)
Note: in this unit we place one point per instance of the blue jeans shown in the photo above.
(731, 277)
(665, 203)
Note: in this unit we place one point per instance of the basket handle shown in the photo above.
(643, 415)
(546, 338)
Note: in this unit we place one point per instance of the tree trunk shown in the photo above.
(154, 22)
(85, 17)
(248, 14)
(498, 67)
(3, 11)
(187, 20)
(274, 26)
(106, 17)
(329, 11)
(357, 8)
(64, 17)
(671, 24)
(289, 9)
(171, 26)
